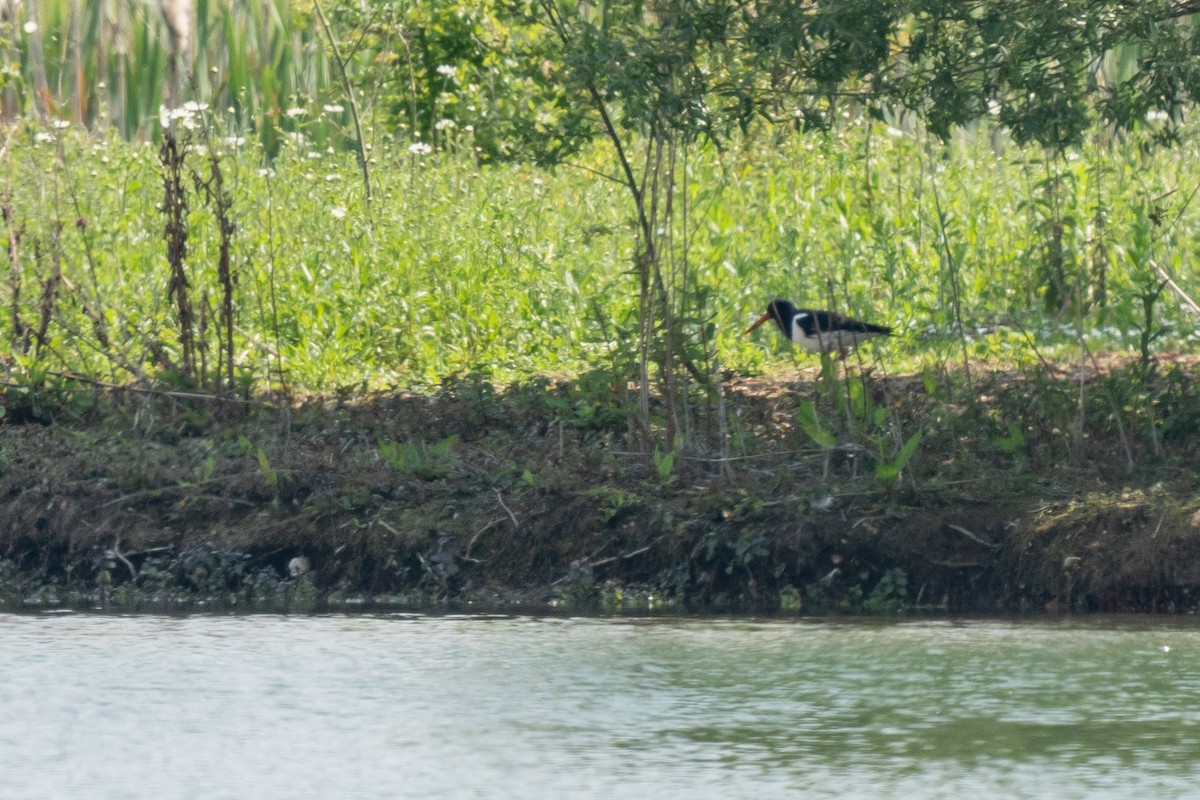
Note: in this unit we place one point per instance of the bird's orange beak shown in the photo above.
(760, 321)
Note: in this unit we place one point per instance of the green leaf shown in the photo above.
(889, 471)
(1014, 442)
(664, 464)
(269, 473)
(908, 450)
(444, 447)
(929, 379)
(810, 423)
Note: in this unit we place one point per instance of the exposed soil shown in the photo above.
(532, 496)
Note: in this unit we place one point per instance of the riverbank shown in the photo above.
(1025, 492)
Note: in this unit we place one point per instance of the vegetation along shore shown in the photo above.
(450, 305)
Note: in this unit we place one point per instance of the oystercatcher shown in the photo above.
(819, 331)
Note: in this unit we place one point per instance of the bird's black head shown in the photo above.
(781, 311)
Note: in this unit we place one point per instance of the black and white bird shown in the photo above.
(819, 331)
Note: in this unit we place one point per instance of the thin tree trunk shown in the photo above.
(120, 108)
(42, 100)
(9, 104)
(79, 96)
(349, 90)
(103, 91)
(178, 15)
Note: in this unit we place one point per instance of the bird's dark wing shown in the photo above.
(829, 321)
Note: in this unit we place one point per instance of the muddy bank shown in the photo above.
(1018, 498)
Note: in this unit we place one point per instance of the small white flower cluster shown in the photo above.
(186, 114)
(449, 70)
(46, 136)
(1157, 116)
(420, 149)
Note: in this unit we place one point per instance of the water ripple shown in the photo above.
(498, 707)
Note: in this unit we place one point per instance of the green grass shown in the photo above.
(512, 272)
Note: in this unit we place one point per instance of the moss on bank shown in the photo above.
(1020, 497)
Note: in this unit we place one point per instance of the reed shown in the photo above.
(105, 65)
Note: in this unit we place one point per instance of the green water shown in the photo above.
(492, 707)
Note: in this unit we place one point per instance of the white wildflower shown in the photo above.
(332, 177)
(184, 114)
(420, 149)
(993, 108)
(895, 133)
(295, 112)
(338, 212)
(193, 107)
(443, 124)
(31, 27)
(42, 136)
(1157, 115)
(449, 70)
(234, 141)
(333, 108)
(60, 124)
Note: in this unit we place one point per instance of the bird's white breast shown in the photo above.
(798, 334)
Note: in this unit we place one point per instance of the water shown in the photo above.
(454, 707)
